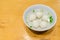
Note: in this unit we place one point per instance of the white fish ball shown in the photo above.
(32, 17)
(39, 14)
(43, 24)
(36, 23)
(46, 18)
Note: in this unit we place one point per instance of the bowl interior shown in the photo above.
(40, 6)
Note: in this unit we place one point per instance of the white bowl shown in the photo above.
(40, 6)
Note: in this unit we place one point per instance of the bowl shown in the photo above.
(37, 6)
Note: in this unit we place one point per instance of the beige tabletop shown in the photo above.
(12, 26)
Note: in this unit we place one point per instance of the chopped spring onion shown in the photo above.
(30, 26)
(51, 19)
(33, 10)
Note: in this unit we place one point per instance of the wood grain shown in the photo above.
(12, 26)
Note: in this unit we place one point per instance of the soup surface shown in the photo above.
(39, 18)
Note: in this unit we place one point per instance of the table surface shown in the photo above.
(12, 26)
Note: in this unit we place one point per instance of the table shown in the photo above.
(12, 26)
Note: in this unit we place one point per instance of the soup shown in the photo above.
(39, 18)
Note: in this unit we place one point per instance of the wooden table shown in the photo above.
(12, 26)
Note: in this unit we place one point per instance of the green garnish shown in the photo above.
(30, 26)
(33, 10)
(51, 19)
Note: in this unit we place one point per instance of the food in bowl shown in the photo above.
(39, 18)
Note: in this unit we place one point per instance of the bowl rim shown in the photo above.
(40, 5)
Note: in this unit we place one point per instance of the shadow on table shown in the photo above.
(40, 32)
